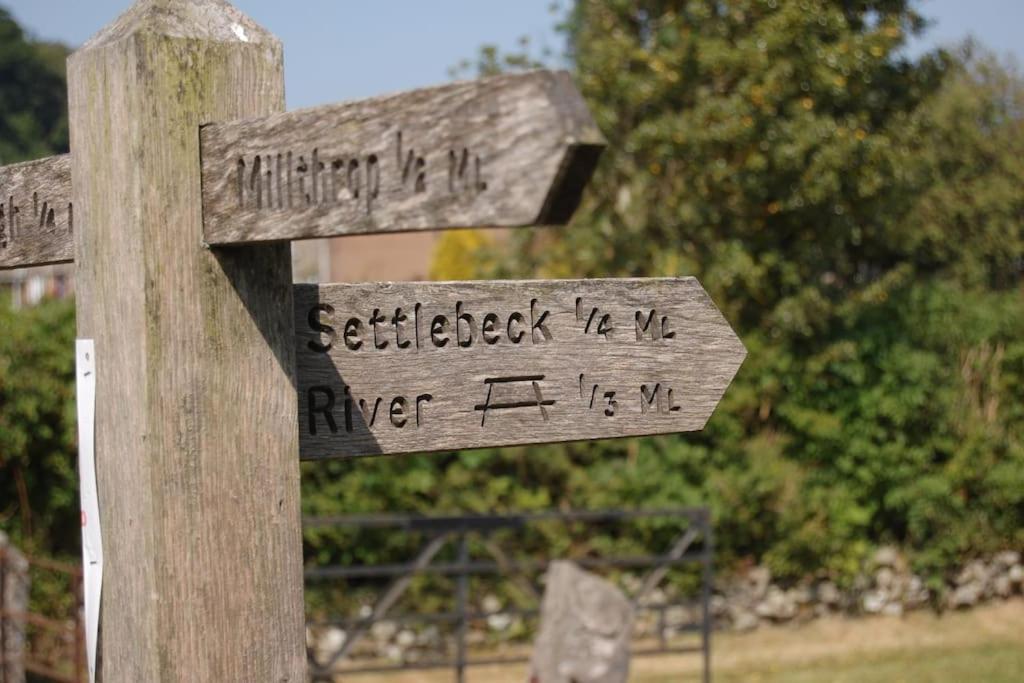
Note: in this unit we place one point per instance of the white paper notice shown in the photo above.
(92, 541)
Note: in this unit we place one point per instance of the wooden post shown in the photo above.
(196, 423)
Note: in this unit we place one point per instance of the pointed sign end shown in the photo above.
(566, 192)
(585, 145)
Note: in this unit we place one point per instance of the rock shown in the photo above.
(744, 620)
(828, 594)
(499, 622)
(1002, 586)
(405, 639)
(915, 593)
(655, 597)
(718, 606)
(393, 653)
(776, 605)
(330, 640)
(873, 601)
(800, 595)
(1006, 559)
(974, 572)
(496, 621)
(885, 579)
(886, 556)
(757, 581)
(679, 615)
(966, 595)
(491, 603)
(429, 637)
(383, 631)
(900, 585)
(1016, 574)
(365, 611)
(585, 629)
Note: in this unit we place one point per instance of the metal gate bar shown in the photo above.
(696, 529)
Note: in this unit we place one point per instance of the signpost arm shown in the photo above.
(196, 426)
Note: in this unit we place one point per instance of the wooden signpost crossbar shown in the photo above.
(213, 374)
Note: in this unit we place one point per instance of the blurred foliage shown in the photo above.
(38, 480)
(33, 90)
(490, 61)
(858, 216)
(450, 260)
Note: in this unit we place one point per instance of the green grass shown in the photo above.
(986, 663)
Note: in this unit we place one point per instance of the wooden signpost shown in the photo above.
(210, 382)
(36, 216)
(504, 151)
(407, 368)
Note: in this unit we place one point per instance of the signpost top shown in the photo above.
(207, 20)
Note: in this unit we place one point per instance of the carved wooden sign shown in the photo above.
(511, 150)
(411, 367)
(36, 215)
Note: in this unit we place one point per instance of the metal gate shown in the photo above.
(459, 549)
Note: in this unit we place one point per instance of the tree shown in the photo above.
(33, 88)
(856, 214)
(38, 479)
(968, 220)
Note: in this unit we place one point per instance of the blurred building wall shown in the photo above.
(382, 258)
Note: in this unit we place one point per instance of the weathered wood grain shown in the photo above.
(511, 150)
(196, 426)
(36, 214)
(506, 363)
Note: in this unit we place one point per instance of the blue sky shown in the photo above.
(345, 49)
